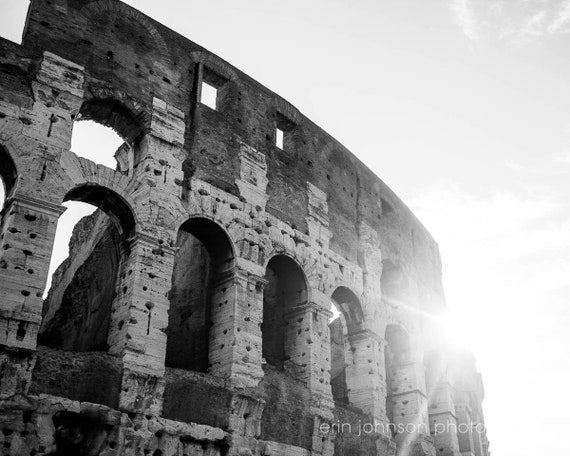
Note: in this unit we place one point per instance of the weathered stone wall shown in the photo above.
(161, 340)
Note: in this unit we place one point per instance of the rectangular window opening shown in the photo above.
(279, 134)
(209, 95)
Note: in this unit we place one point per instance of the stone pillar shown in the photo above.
(252, 183)
(27, 235)
(139, 320)
(478, 446)
(307, 352)
(364, 354)
(442, 419)
(235, 335)
(464, 431)
(159, 157)
(409, 404)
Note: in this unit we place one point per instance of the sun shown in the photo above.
(459, 329)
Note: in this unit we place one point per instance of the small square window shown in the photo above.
(279, 138)
(209, 95)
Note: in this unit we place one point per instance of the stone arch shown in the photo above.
(221, 219)
(296, 247)
(204, 260)
(110, 202)
(77, 310)
(127, 120)
(286, 288)
(84, 173)
(97, 7)
(345, 275)
(119, 112)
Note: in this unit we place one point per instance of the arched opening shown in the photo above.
(285, 289)
(112, 131)
(83, 286)
(8, 176)
(396, 354)
(347, 307)
(204, 255)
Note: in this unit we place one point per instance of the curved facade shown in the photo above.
(193, 315)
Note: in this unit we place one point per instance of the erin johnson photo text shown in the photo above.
(364, 428)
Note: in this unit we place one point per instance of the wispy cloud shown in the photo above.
(466, 18)
(514, 22)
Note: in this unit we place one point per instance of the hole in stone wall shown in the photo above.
(284, 132)
(215, 90)
(279, 138)
(13, 15)
(108, 133)
(209, 95)
(204, 254)
(97, 143)
(285, 289)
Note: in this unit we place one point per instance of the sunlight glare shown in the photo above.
(459, 331)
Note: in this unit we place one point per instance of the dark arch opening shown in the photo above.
(348, 322)
(77, 309)
(204, 255)
(8, 176)
(285, 289)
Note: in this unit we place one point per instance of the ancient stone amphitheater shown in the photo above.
(194, 313)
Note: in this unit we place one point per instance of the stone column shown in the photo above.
(443, 422)
(160, 154)
(464, 425)
(235, 335)
(139, 320)
(364, 354)
(478, 446)
(307, 352)
(409, 404)
(26, 242)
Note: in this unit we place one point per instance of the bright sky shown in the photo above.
(462, 107)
